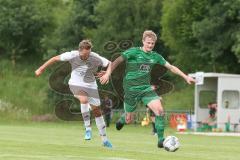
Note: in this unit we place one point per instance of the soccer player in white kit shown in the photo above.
(83, 84)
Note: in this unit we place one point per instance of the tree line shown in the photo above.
(195, 35)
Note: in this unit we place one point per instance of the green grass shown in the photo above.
(64, 141)
(21, 91)
(180, 100)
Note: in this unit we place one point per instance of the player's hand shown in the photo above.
(190, 80)
(39, 71)
(100, 74)
(104, 79)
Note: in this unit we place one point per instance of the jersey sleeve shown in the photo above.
(128, 53)
(160, 59)
(67, 56)
(103, 61)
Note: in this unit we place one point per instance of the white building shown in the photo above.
(224, 89)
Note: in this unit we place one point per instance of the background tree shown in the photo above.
(74, 17)
(125, 20)
(23, 25)
(206, 32)
(80, 18)
(218, 35)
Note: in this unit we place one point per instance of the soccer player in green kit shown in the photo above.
(136, 83)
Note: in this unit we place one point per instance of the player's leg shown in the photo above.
(130, 103)
(126, 118)
(154, 130)
(152, 116)
(85, 109)
(156, 107)
(100, 123)
(152, 100)
(94, 101)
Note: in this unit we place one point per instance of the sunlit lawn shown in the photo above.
(64, 141)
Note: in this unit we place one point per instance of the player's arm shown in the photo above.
(116, 62)
(51, 61)
(114, 65)
(105, 78)
(177, 71)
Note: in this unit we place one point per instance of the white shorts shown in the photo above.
(93, 96)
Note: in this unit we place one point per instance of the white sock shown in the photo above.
(86, 116)
(101, 127)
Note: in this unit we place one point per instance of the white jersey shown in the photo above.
(83, 70)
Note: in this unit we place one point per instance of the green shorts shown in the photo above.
(131, 99)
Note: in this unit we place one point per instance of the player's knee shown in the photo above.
(96, 111)
(160, 113)
(128, 120)
(82, 100)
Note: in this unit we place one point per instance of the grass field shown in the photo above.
(64, 141)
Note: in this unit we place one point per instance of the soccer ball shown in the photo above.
(171, 143)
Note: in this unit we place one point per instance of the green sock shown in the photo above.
(122, 119)
(159, 124)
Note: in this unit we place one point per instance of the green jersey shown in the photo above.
(138, 68)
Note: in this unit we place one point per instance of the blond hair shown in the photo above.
(149, 33)
(85, 44)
